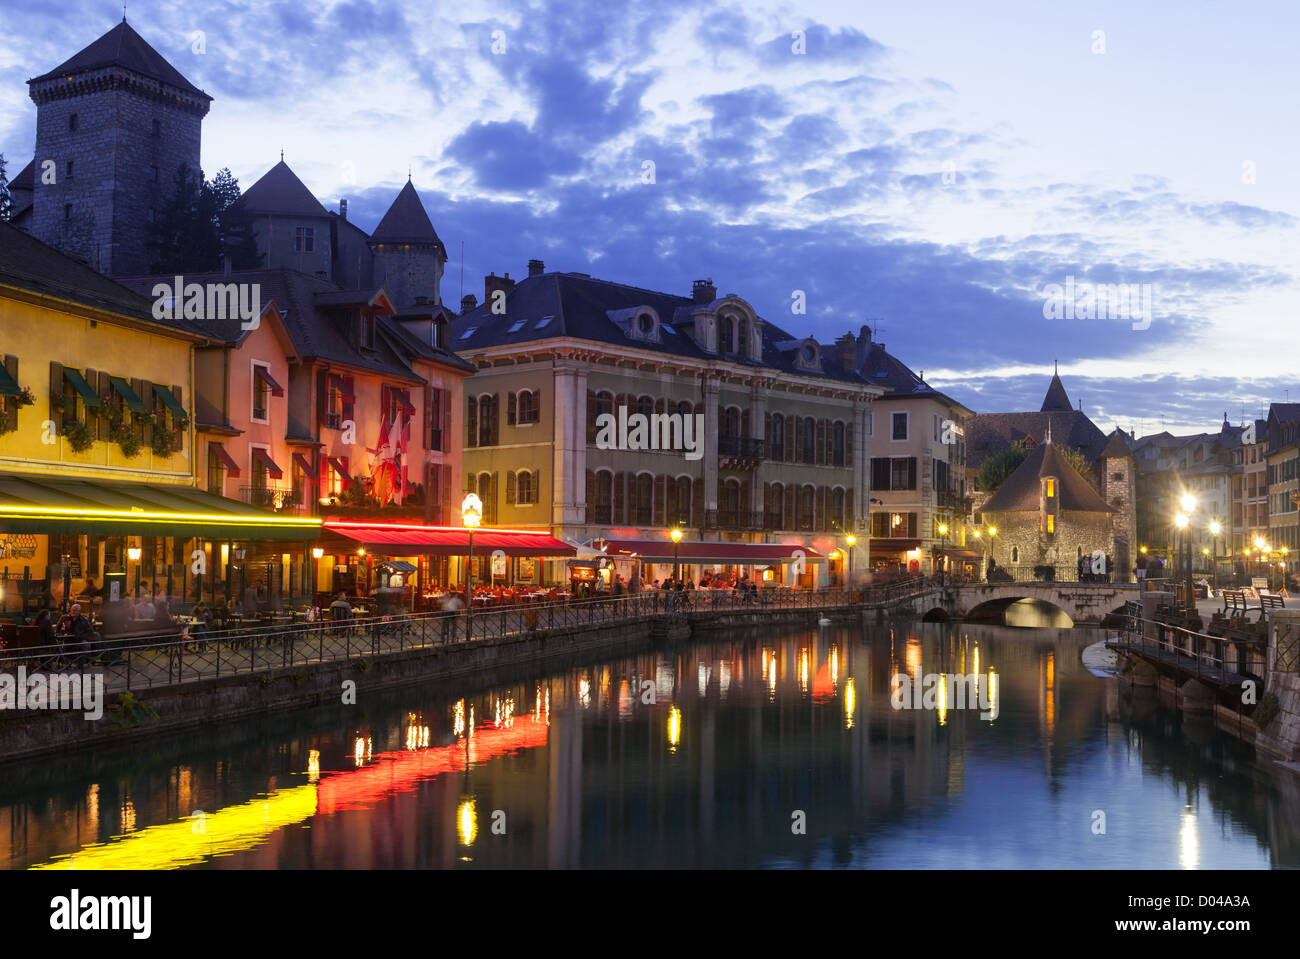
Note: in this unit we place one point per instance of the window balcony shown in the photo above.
(742, 447)
(279, 499)
(732, 519)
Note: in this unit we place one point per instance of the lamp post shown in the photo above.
(1215, 529)
(1180, 522)
(993, 531)
(471, 514)
(943, 532)
(316, 553)
(133, 554)
(851, 540)
(676, 537)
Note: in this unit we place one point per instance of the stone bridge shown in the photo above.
(1084, 603)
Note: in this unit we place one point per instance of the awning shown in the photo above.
(170, 401)
(8, 385)
(232, 468)
(88, 396)
(960, 553)
(38, 504)
(399, 565)
(264, 457)
(308, 471)
(264, 376)
(396, 539)
(337, 466)
(123, 389)
(661, 551)
(893, 543)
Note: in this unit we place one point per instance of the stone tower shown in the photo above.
(1118, 469)
(408, 256)
(113, 125)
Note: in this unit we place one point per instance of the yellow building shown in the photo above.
(97, 473)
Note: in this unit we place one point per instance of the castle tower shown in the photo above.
(409, 257)
(113, 125)
(1118, 469)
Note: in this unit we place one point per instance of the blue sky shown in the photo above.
(930, 168)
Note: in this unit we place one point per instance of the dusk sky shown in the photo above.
(930, 168)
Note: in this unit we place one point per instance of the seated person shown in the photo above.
(341, 609)
(117, 618)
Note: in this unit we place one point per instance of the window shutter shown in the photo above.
(103, 386)
(176, 428)
(697, 502)
(446, 494)
(911, 472)
(661, 487)
(848, 444)
(821, 443)
(511, 412)
(767, 431)
(591, 494)
(494, 420)
(322, 391)
(349, 390)
(819, 519)
(510, 487)
(787, 514)
(492, 495)
(537, 487)
(591, 417)
(620, 498)
(56, 390)
(444, 403)
(850, 518)
(471, 483)
(429, 393)
(744, 496)
(798, 433)
(471, 422)
(789, 439)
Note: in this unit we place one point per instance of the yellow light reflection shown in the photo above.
(674, 728)
(313, 766)
(850, 703)
(458, 719)
(943, 699)
(467, 823)
(1189, 846)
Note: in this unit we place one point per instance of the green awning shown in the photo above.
(8, 385)
(123, 389)
(35, 504)
(88, 395)
(170, 401)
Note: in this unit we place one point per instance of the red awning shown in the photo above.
(409, 540)
(661, 551)
(263, 457)
(308, 471)
(888, 543)
(232, 468)
(263, 374)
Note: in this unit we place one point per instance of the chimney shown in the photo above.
(846, 352)
(343, 209)
(703, 291)
(492, 283)
(467, 303)
(536, 267)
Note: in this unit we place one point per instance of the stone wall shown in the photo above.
(1019, 542)
(408, 271)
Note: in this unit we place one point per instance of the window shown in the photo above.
(1116, 476)
(778, 436)
(525, 491)
(334, 479)
(67, 211)
(366, 336)
(1049, 487)
(261, 394)
(899, 426)
(809, 440)
(807, 501)
(334, 404)
(644, 498)
(517, 325)
(72, 122)
(487, 420)
(153, 173)
(304, 238)
(1051, 523)
(837, 442)
(216, 473)
(470, 331)
(679, 509)
(1015, 554)
(880, 473)
(646, 324)
(67, 167)
(527, 404)
(436, 399)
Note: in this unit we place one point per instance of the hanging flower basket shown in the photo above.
(164, 442)
(26, 397)
(79, 436)
(126, 439)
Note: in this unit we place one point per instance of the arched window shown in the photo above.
(645, 405)
(731, 422)
(742, 337)
(527, 405)
(838, 444)
(600, 497)
(645, 486)
(488, 495)
(1015, 554)
(679, 510)
(809, 440)
(837, 508)
(525, 494)
(772, 506)
(729, 503)
(807, 507)
(487, 420)
(778, 436)
(730, 345)
(685, 408)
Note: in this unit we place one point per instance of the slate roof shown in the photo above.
(1117, 446)
(1056, 400)
(123, 47)
(316, 331)
(1019, 492)
(407, 222)
(280, 191)
(577, 306)
(26, 178)
(29, 264)
(991, 433)
(884, 369)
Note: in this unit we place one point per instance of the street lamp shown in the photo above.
(851, 540)
(676, 537)
(1181, 522)
(993, 531)
(1215, 529)
(471, 514)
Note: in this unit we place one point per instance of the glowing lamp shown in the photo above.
(471, 510)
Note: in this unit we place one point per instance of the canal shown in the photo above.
(769, 750)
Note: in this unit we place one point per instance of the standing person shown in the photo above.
(82, 635)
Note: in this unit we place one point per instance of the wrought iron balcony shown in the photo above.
(742, 447)
(281, 499)
(733, 519)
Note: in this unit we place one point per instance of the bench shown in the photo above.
(1234, 603)
(1271, 601)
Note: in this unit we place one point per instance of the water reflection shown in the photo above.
(694, 755)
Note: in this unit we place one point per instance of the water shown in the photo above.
(746, 736)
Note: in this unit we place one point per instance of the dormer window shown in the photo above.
(809, 353)
(645, 323)
(637, 323)
(366, 337)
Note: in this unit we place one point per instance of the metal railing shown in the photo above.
(1199, 654)
(278, 498)
(211, 653)
(742, 447)
(736, 519)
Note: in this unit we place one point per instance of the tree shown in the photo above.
(996, 468)
(202, 222)
(6, 201)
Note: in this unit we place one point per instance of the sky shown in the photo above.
(959, 177)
